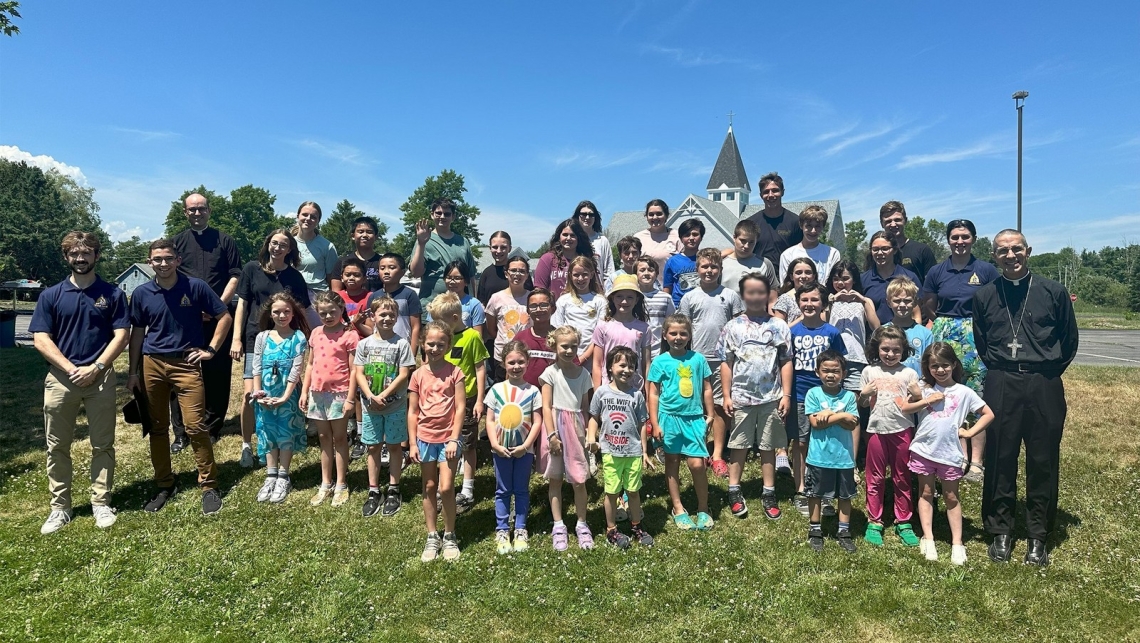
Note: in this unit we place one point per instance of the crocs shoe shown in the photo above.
(559, 538)
(874, 535)
(720, 468)
(704, 521)
(684, 522)
(322, 494)
(584, 535)
(339, 497)
(906, 534)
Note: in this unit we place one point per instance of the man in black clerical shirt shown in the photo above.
(1026, 333)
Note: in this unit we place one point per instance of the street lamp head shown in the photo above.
(1021, 95)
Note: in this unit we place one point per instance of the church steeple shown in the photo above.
(729, 183)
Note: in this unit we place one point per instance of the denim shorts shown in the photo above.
(247, 373)
(435, 452)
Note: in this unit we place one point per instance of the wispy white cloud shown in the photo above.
(1093, 234)
(986, 147)
(589, 160)
(837, 132)
(855, 139)
(692, 57)
(337, 151)
(42, 161)
(145, 136)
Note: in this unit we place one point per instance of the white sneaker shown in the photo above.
(926, 546)
(247, 459)
(55, 521)
(104, 516)
(958, 554)
(266, 488)
(384, 457)
(280, 490)
(593, 462)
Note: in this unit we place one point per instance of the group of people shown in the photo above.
(674, 353)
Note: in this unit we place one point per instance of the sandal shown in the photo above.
(684, 522)
(704, 521)
(906, 534)
(974, 473)
(874, 535)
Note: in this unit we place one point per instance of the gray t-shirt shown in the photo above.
(710, 312)
(382, 359)
(318, 260)
(620, 417)
(733, 269)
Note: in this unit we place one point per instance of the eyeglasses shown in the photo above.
(158, 261)
(201, 210)
(883, 250)
(453, 278)
(278, 244)
(538, 306)
(517, 271)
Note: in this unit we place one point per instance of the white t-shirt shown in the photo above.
(732, 269)
(893, 384)
(851, 320)
(823, 255)
(583, 315)
(937, 435)
(567, 393)
(659, 305)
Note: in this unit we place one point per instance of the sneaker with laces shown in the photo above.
(357, 451)
(323, 493)
(281, 490)
(450, 546)
(55, 521)
(771, 507)
(247, 460)
(800, 502)
(212, 501)
(957, 554)
(372, 503)
(521, 540)
(783, 465)
(340, 496)
(846, 541)
(104, 516)
(384, 457)
(266, 488)
(463, 503)
(584, 535)
(431, 548)
(815, 539)
(392, 501)
(559, 538)
(503, 542)
(736, 503)
(617, 539)
(641, 536)
(159, 500)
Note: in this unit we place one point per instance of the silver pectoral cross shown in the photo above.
(1013, 346)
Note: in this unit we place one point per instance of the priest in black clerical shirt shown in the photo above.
(1026, 333)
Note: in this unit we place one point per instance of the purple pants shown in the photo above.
(512, 478)
(889, 450)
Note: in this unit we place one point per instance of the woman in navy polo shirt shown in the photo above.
(881, 270)
(947, 295)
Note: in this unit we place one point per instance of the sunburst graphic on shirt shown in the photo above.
(514, 425)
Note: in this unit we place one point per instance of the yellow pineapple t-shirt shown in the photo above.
(682, 381)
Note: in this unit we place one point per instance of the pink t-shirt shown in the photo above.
(609, 334)
(332, 358)
(436, 400)
(511, 317)
(660, 250)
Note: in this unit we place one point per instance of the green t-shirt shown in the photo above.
(437, 254)
(468, 352)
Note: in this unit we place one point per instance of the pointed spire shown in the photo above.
(729, 169)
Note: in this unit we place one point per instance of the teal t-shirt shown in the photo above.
(437, 254)
(682, 382)
(832, 447)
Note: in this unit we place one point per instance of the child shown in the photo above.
(580, 306)
(456, 276)
(936, 451)
(681, 269)
(658, 303)
(355, 295)
(506, 310)
(852, 313)
(886, 385)
(278, 354)
(565, 404)
(470, 355)
(626, 324)
(830, 470)
(812, 220)
(364, 234)
(801, 272)
(756, 364)
(681, 412)
(514, 418)
(629, 249)
(329, 393)
(743, 260)
(619, 407)
(382, 367)
(809, 338)
(902, 296)
(494, 277)
(540, 305)
(436, 398)
(392, 269)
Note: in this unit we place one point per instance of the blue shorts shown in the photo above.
(435, 452)
(684, 435)
(384, 428)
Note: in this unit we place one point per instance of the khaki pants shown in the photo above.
(161, 376)
(62, 400)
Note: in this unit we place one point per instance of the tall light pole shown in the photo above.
(1019, 102)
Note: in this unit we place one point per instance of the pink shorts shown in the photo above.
(927, 467)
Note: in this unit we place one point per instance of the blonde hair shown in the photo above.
(582, 261)
(438, 327)
(445, 306)
(562, 331)
(711, 255)
(901, 286)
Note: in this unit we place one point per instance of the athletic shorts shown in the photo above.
(435, 452)
(714, 381)
(469, 432)
(829, 484)
(758, 426)
(384, 428)
(803, 424)
(620, 472)
(684, 435)
(927, 467)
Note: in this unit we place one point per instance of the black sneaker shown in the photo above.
(211, 502)
(179, 444)
(845, 541)
(641, 536)
(800, 502)
(161, 498)
(392, 502)
(357, 451)
(617, 539)
(463, 503)
(372, 504)
(771, 507)
(736, 503)
(815, 539)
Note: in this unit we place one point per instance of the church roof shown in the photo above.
(729, 169)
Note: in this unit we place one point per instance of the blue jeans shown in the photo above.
(512, 478)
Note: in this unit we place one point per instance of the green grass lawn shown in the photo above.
(295, 573)
(1106, 317)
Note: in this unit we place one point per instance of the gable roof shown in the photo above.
(729, 169)
(142, 267)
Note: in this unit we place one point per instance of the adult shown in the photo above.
(779, 226)
(569, 240)
(167, 350)
(364, 232)
(318, 255)
(915, 256)
(80, 326)
(1027, 336)
(881, 270)
(947, 297)
(437, 246)
(494, 277)
(274, 271)
(591, 221)
(212, 256)
(658, 241)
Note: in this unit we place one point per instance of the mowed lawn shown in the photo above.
(297, 573)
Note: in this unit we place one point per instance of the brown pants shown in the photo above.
(62, 400)
(160, 377)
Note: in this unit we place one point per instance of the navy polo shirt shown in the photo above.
(875, 289)
(81, 321)
(173, 318)
(955, 288)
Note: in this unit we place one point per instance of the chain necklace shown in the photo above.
(1014, 345)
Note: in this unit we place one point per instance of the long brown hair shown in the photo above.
(944, 352)
(292, 258)
(298, 323)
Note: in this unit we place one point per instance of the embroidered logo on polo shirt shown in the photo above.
(185, 301)
(974, 281)
(101, 302)
(907, 261)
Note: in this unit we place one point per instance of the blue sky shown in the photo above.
(540, 105)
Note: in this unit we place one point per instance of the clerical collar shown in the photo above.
(1015, 282)
(200, 232)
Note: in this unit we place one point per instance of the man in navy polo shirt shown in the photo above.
(168, 348)
(80, 327)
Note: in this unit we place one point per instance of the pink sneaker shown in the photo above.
(585, 536)
(560, 538)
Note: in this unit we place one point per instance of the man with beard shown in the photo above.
(80, 326)
(915, 256)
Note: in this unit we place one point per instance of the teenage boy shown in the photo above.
(437, 246)
(681, 269)
(915, 256)
(756, 350)
(743, 259)
(364, 234)
(709, 307)
(778, 226)
(902, 296)
(629, 249)
(812, 220)
(830, 471)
